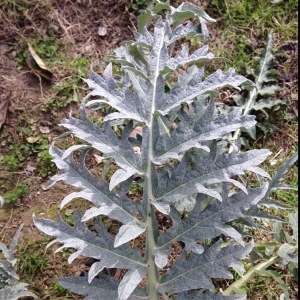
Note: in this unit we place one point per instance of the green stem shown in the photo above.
(249, 275)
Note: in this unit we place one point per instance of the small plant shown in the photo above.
(261, 95)
(189, 174)
(18, 192)
(280, 254)
(139, 4)
(10, 287)
(32, 261)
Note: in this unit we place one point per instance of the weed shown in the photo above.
(32, 260)
(18, 192)
(246, 21)
(136, 5)
(11, 162)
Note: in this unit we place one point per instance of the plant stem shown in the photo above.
(150, 233)
(249, 275)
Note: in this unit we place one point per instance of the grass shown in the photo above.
(246, 23)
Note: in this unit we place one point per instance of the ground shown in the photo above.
(71, 37)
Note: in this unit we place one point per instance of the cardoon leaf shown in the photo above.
(159, 54)
(196, 126)
(121, 100)
(101, 288)
(127, 233)
(99, 246)
(199, 56)
(275, 182)
(195, 271)
(115, 206)
(129, 282)
(106, 141)
(183, 182)
(186, 93)
(120, 176)
(164, 135)
(187, 10)
(203, 224)
(14, 292)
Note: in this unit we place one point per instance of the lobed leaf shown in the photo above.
(99, 246)
(183, 181)
(101, 288)
(195, 271)
(118, 207)
(188, 88)
(196, 126)
(212, 221)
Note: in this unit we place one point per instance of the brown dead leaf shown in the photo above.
(137, 130)
(3, 111)
(44, 129)
(98, 158)
(4, 48)
(36, 64)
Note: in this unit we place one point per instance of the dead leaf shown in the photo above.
(137, 130)
(4, 48)
(44, 129)
(137, 149)
(3, 111)
(32, 139)
(102, 31)
(29, 168)
(98, 158)
(36, 64)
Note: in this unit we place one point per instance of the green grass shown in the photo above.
(246, 23)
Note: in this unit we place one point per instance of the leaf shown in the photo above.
(101, 288)
(120, 176)
(15, 292)
(99, 246)
(129, 282)
(192, 88)
(36, 64)
(269, 90)
(146, 16)
(125, 101)
(267, 103)
(265, 62)
(293, 221)
(280, 173)
(120, 207)
(187, 10)
(199, 56)
(195, 271)
(287, 253)
(106, 141)
(127, 233)
(197, 126)
(205, 172)
(203, 224)
(3, 111)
